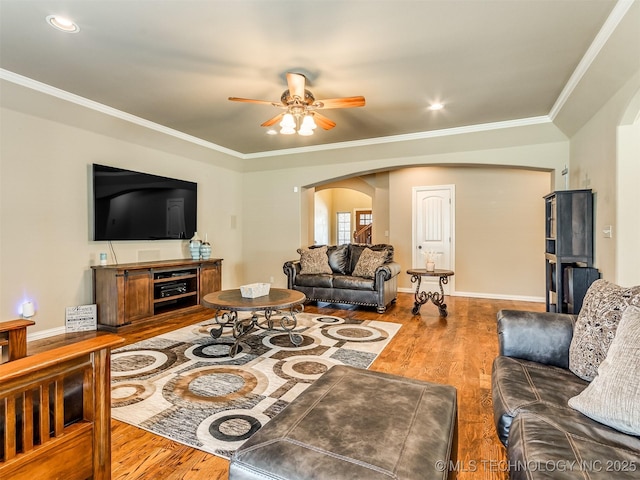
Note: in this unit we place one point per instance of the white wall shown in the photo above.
(274, 226)
(45, 239)
(499, 233)
(627, 233)
(594, 164)
(323, 201)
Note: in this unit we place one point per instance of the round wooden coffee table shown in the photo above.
(278, 307)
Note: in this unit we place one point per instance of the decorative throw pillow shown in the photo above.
(356, 250)
(596, 326)
(368, 262)
(338, 258)
(613, 397)
(314, 260)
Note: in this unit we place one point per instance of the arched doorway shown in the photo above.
(337, 214)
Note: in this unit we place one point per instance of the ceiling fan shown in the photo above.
(300, 107)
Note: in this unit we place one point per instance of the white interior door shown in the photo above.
(433, 227)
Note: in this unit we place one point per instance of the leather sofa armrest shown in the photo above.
(387, 271)
(291, 269)
(542, 337)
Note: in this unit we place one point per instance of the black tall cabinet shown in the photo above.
(568, 245)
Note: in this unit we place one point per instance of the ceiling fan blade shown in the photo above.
(296, 83)
(323, 122)
(250, 100)
(345, 102)
(273, 120)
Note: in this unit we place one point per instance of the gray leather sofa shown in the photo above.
(531, 385)
(341, 286)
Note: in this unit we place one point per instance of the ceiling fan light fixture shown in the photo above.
(308, 123)
(300, 105)
(288, 122)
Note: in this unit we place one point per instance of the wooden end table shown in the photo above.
(436, 297)
(280, 305)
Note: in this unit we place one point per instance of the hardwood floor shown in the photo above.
(458, 350)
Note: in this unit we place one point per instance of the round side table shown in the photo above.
(436, 297)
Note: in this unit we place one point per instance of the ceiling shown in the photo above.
(175, 62)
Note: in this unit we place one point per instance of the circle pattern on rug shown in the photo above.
(284, 341)
(281, 341)
(355, 333)
(306, 368)
(234, 427)
(139, 362)
(129, 393)
(218, 349)
(217, 384)
(227, 430)
(328, 320)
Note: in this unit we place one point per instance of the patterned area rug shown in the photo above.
(184, 386)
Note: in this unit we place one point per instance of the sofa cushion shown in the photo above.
(323, 280)
(545, 447)
(596, 325)
(339, 258)
(526, 386)
(314, 260)
(353, 283)
(368, 263)
(613, 397)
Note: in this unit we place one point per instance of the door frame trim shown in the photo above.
(452, 226)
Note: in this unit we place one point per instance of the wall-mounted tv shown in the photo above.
(138, 206)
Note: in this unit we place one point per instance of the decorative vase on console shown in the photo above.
(430, 260)
(205, 249)
(194, 246)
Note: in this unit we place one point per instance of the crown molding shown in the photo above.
(113, 112)
(615, 17)
(446, 132)
(610, 25)
(99, 107)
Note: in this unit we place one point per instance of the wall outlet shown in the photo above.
(270, 279)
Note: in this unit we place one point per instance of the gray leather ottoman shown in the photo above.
(356, 424)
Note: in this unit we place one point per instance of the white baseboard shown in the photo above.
(52, 332)
(493, 296)
(499, 296)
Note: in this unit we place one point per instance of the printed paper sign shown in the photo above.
(81, 318)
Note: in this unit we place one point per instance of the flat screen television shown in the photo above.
(131, 205)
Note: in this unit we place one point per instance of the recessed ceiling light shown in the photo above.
(62, 23)
(436, 106)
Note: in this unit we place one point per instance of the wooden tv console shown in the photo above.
(132, 293)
